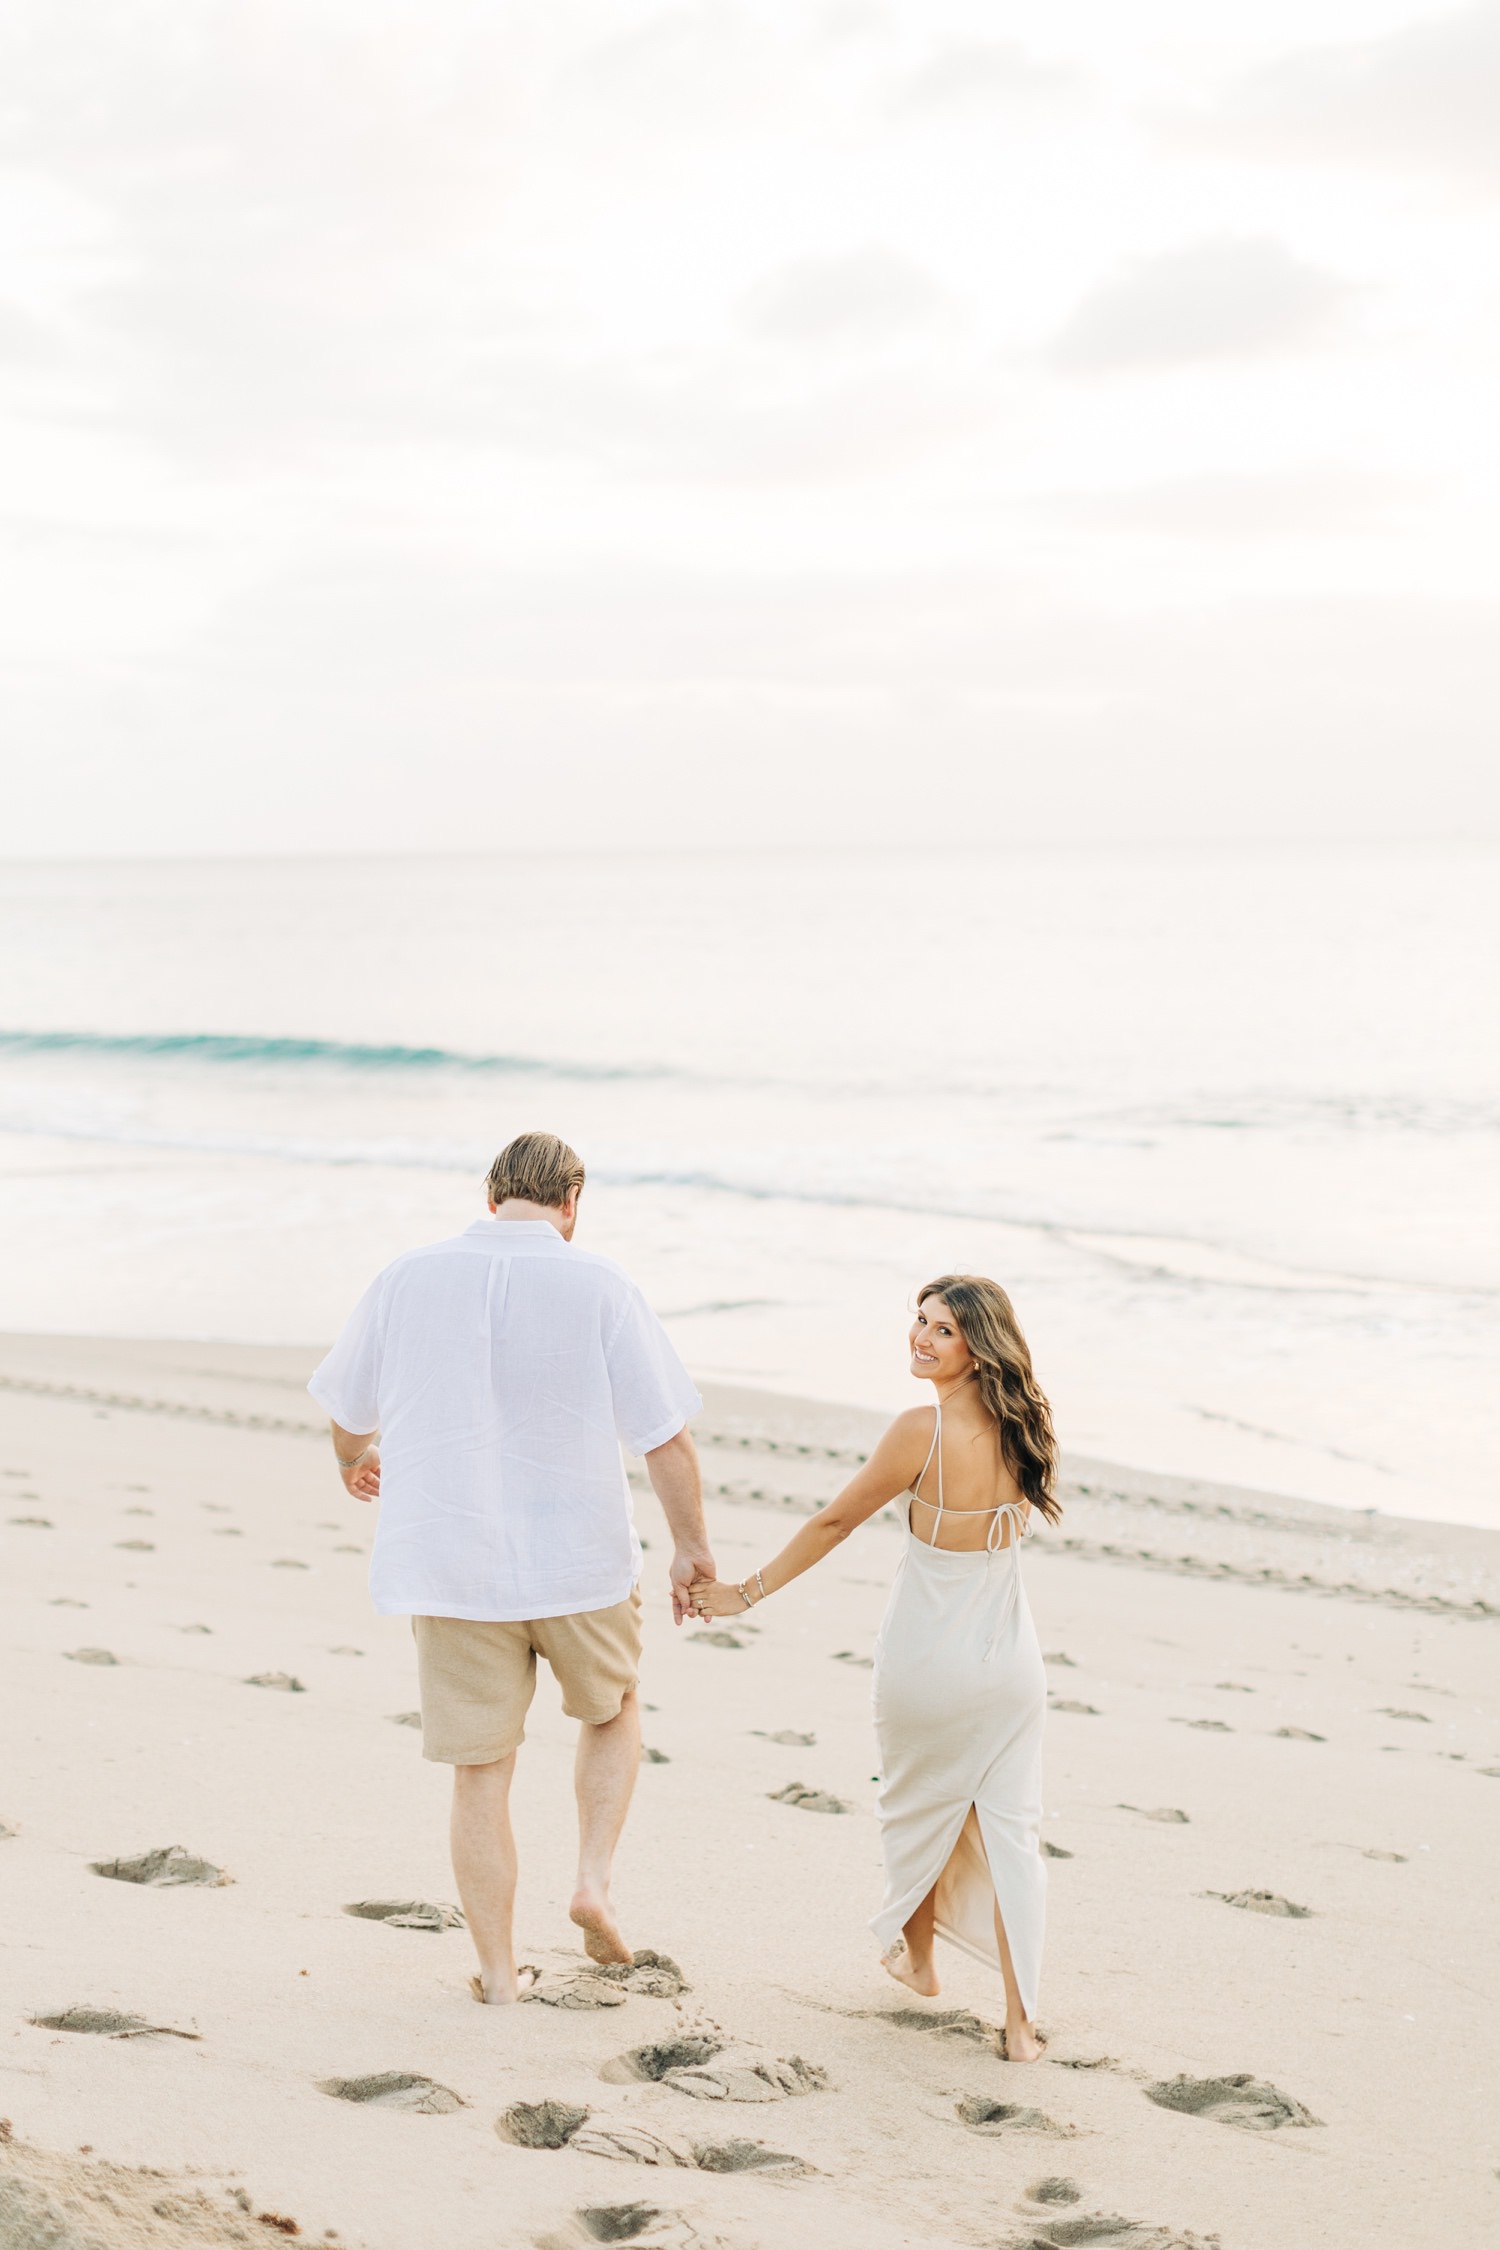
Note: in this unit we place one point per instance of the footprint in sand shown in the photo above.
(280, 1680)
(1205, 1726)
(195, 1629)
(90, 1656)
(788, 1738)
(407, 1914)
(575, 1989)
(1262, 1902)
(396, 2089)
(1421, 1718)
(163, 1870)
(641, 2223)
(709, 2069)
(860, 1663)
(945, 2023)
(749, 2156)
(1054, 2191)
(717, 1640)
(1057, 1657)
(1065, 1703)
(808, 1800)
(406, 1718)
(553, 2125)
(34, 1523)
(649, 2064)
(108, 2023)
(8, 1829)
(1296, 1734)
(1169, 1815)
(1106, 2231)
(655, 1976)
(1053, 1851)
(650, 1757)
(1233, 1687)
(540, 2124)
(1253, 2104)
(982, 2115)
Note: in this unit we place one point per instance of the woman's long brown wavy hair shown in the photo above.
(1011, 1393)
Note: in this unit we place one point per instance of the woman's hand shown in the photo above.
(711, 1598)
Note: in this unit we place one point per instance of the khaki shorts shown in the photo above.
(478, 1676)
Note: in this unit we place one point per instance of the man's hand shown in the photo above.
(362, 1482)
(358, 1457)
(675, 1479)
(690, 1566)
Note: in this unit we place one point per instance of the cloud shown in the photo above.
(1314, 503)
(857, 297)
(1426, 97)
(1226, 298)
(974, 72)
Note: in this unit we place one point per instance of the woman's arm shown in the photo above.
(896, 1460)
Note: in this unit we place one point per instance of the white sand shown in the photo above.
(1376, 2012)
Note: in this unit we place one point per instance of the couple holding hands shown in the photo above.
(483, 1387)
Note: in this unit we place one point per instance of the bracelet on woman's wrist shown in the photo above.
(745, 1598)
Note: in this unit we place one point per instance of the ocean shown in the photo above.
(1225, 1124)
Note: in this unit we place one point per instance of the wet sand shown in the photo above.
(1259, 1706)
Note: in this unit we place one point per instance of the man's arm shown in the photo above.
(358, 1460)
(678, 1485)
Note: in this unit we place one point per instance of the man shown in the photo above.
(498, 1373)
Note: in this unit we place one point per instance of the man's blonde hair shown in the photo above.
(535, 1168)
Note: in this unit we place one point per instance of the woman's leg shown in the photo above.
(1021, 2042)
(914, 1967)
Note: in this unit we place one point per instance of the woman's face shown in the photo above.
(938, 1350)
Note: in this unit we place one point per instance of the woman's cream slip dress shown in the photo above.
(960, 1698)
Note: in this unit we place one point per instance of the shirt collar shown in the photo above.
(495, 1227)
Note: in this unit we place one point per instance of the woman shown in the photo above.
(960, 1693)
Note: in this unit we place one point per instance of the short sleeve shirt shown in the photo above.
(504, 1370)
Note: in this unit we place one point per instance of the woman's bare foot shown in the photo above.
(595, 1916)
(1021, 2042)
(500, 1990)
(916, 1976)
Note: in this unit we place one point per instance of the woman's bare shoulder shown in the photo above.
(913, 1428)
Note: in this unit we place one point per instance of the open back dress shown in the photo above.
(960, 1700)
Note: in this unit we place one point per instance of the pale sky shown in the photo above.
(456, 424)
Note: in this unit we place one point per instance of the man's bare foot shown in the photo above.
(501, 1991)
(922, 1978)
(1022, 2043)
(595, 1916)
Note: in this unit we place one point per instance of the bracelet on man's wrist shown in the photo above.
(354, 1463)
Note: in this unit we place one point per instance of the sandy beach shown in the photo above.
(1273, 1777)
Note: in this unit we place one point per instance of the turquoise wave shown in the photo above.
(234, 1047)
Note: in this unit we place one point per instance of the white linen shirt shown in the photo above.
(503, 1370)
